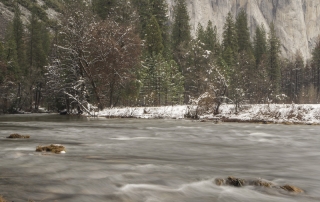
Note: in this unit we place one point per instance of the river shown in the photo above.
(136, 160)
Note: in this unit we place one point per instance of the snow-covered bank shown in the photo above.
(174, 112)
(274, 113)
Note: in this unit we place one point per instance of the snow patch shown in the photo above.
(275, 113)
(174, 112)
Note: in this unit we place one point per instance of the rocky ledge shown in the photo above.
(238, 182)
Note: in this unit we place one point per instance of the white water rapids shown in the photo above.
(135, 160)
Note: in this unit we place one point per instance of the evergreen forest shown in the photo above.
(108, 53)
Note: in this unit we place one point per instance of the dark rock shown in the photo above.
(236, 182)
(17, 136)
(54, 148)
(261, 183)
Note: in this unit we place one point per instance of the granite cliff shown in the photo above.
(297, 21)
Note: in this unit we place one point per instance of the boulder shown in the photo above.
(54, 148)
(17, 136)
(262, 183)
(291, 188)
(2, 199)
(219, 181)
(236, 182)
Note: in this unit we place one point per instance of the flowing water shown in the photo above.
(134, 160)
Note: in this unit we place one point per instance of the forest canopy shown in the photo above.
(129, 53)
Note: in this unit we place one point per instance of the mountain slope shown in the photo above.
(297, 21)
(46, 10)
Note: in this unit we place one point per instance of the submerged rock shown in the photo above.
(262, 183)
(2, 199)
(219, 181)
(54, 148)
(16, 136)
(236, 182)
(291, 188)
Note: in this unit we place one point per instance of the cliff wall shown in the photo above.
(297, 22)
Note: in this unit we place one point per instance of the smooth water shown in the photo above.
(138, 160)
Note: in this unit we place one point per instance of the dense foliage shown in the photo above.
(129, 53)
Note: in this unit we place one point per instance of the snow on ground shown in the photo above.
(275, 113)
(174, 112)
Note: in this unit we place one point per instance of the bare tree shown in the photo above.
(114, 53)
(94, 58)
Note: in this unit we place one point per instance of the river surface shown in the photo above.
(135, 160)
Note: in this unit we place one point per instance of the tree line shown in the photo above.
(107, 53)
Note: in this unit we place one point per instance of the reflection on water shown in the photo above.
(136, 160)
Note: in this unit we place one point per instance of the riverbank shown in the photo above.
(260, 113)
(274, 113)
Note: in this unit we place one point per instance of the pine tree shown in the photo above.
(10, 72)
(261, 82)
(243, 34)
(200, 34)
(159, 9)
(125, 13)
(153, 37)
(18, 35)
(162, 82)
(274, 60)
(104, 8)
(45, 39)
(208, 38)
(316, 65)
(181, 35)
(37, 52)
(2, 55)
(3, 67)
(229, 43)
(211, 38)
(173, 83)
(298, 70)
(11, 57)
(144, 12)
(196, 74)
(260, 43)
(148, 75)
(120, 10)
(241, 88)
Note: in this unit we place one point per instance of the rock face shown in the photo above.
(6, 16)
(296, 21)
